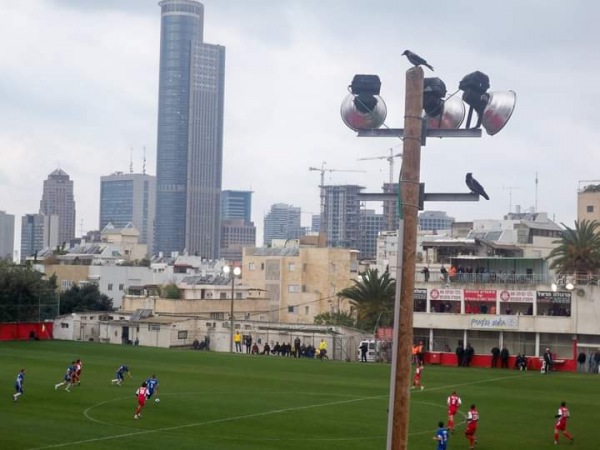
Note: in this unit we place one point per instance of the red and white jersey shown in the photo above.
(454, 402)
(563, 414)
(141, 393)
(418, 372)
(78, 365)
(472, 416)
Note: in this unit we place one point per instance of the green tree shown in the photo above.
(84, 298)
(578, 250)
(171, 291)
(373, 297)
(25, 295)
(342, 318)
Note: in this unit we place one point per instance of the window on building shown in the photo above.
(292, 309)
(251, 266)
(153, 327)
(238, 295)
(223, 295)
(294, 288)
(291, 267)
(262, 266)
(121, 286)
(306, 310)
(109, 286)
(64, 325)
(590, 208)
(66, 284)
(182, 334)
(217, 315)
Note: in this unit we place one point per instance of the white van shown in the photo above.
(371, 352)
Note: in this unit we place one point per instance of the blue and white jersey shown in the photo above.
(442, 438)
(19, 382)
(68, 373)
(152, 384)
(121, 371)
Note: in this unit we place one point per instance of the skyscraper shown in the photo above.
(341, 215)
(129, 197)
(236, 205)
(282, 222)
(58, 199)
(39, 232)
(7, 235)
(190, 133)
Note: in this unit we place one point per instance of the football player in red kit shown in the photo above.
(141, 394)
(417, 378)
(561, 422)
(472, 419)
(454, 403)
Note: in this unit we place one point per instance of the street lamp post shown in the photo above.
(233, 272)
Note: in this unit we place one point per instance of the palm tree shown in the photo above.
(578, 250)
(373, 296)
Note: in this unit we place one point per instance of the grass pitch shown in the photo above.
(229, 402)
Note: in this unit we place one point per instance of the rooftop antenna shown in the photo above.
(536, 193)
(130, 159)
(144, 164)
(510, 189)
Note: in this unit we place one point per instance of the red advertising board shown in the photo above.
(25, 330)
(480, 295)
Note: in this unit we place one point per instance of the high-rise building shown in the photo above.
(236, 205)
(282, 222)
(7, 235)
(39, 232)
(58, 199)
(237, 229)
(390, 210)
(341, 215)
(371, 224)
(435, 220)
(129, 198)
(190, 134)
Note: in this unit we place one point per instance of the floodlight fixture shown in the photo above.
(363, 108)
(493, 108)
(441, 114)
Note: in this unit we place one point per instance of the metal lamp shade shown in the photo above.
(359, 120)
(452, 115)
(498, 110)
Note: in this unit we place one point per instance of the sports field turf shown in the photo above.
(222, 401)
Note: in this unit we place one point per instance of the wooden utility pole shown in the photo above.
(409, 186)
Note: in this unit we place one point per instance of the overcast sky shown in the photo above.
(79, 83)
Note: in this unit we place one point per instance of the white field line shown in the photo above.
(250, 416)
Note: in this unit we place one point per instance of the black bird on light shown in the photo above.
(416, 59)
(475, 187)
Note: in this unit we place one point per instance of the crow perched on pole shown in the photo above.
(475, 187)
(416, 59)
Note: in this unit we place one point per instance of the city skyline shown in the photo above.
(288, 66)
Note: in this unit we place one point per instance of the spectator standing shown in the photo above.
(425, 272)
(297, 344)
(547, 362)
(237, 339)
(460, 354)
(469, 352)
(504, 355)
(443, 274)
(495, 355)
(364, 348)
(597, 360)
(581, 361)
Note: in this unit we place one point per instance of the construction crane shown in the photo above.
(322, 169)
(390, 159)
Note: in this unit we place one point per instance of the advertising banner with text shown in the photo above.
(446, 294)
(517, 296)
(480, 295)
(492, 322)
